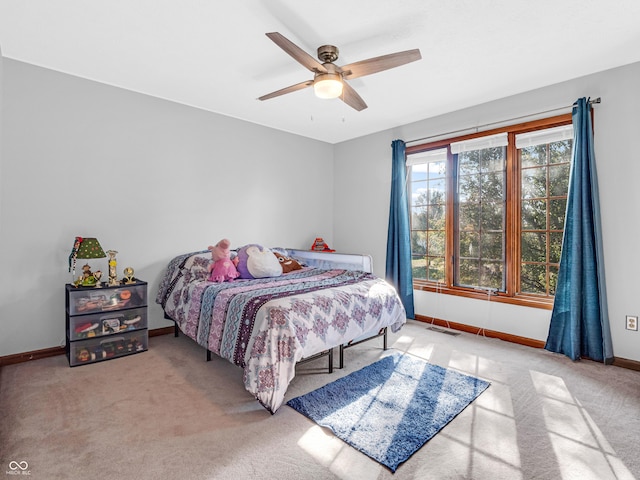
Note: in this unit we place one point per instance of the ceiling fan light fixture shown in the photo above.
(327, 85)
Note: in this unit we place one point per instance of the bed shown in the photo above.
(267, 325)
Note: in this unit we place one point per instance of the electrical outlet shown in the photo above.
(632, 323)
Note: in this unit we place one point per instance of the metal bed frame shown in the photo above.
(325, 353)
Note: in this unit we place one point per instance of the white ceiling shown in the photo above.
(214, 55)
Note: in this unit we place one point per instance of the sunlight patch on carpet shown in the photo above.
(392, 407)
(581, 447)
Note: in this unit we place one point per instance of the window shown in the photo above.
(428, 207)
(487, 211)
(480, 201)
(545, 159)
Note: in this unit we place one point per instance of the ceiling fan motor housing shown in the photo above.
(328, 53)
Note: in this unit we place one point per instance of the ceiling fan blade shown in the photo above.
(296, 52)
(351, 97)
(292, 88)
(379, 64)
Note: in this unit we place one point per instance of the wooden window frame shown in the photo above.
(512, 218)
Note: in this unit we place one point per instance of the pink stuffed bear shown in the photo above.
(222, 268)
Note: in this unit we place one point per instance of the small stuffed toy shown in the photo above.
(222, 268)
(288, 264)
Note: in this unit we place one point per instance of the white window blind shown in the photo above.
(542, 137)
(439, 155)
(490, 141)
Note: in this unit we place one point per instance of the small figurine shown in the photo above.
(88, 278)
(113, 276)
(98, 275)
(128, 276)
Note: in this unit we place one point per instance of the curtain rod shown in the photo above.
(476, 128)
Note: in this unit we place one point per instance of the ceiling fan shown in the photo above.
(329, 80)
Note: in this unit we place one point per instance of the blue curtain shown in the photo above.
(580, 320)
(398, 267)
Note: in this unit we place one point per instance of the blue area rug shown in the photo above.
(392, 407)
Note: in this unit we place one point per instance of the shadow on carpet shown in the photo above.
(392, 407)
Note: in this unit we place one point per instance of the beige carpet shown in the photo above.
(168, 414)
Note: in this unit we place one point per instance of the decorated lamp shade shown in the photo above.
(90, 248)
(84, 248)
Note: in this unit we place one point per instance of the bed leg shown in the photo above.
(384, 339)
(176, 330)
(208, 355)
(341, 360)
(331, 360)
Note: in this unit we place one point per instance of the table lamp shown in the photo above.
(86, 248)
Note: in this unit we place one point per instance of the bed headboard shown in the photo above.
(328, 260)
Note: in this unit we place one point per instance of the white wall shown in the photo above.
(1, 80)
(153, 179)
(362, 170)
(147, 177)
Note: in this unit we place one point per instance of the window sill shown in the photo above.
(500, 297)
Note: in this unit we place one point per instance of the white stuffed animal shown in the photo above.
(255, 261)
